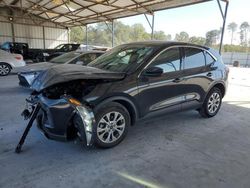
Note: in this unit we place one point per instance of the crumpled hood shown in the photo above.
(35, 67)
(67, 72)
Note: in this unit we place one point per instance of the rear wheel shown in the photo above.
(112, 122)
(212, 103)
(4, 69)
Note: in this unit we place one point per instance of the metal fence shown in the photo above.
(242, 58)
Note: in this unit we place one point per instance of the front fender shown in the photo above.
(116, 97)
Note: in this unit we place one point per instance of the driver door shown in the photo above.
(162, 92)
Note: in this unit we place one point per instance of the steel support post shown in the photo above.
(151, 25)
(224, 17)
(152, 28)
(113, 31)
(44, 44)
(86, 36)
(12, 32)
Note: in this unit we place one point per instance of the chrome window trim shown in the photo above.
(177, 46)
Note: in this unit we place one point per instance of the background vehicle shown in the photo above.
(37, 55)
(9, 61)
(129, 82)
(28, 73)
(93, 47)
(59, 50)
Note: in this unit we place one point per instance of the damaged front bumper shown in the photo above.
(86, 128)
(58, 117)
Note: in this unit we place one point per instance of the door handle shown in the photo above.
(177, 80)
(209, 74)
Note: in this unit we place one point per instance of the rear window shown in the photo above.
(194, 58)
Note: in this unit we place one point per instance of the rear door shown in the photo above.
(197, 76)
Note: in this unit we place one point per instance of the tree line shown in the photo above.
(100, 34)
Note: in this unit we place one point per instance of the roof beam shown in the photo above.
(30, 17)
(88, 8)
(114, 6)
(51, 11)
(107, 13)
(148, 10)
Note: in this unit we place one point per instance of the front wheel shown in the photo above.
(4, 69)
(212, 103)
(112, 122)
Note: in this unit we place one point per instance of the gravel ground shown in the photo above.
(177, 150)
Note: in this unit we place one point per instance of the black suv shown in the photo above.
(100, 101)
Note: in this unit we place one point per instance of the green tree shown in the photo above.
(197, 40)
(138, 33)
(160, 35)
(100, 34)
(232, 27)
(77, 34)
(211, 37)
(122, 33)
(182, 37)
(234, 48)
(244, 29)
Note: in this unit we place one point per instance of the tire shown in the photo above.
(108, 132)
(212, 103)
(4, 69)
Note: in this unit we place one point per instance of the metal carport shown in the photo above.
(70, 13)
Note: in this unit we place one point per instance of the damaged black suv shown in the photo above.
(100, 101)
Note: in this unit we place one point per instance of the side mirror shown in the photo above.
(79, 63)
(153, 71)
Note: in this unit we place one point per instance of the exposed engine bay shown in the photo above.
(76, 89)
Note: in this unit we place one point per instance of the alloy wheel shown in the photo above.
(111, 127)
(213, 103)
(4, 69)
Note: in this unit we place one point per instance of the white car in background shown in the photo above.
(9, 61)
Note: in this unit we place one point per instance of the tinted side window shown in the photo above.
(169, 60)
(209, 58)
(194, 58)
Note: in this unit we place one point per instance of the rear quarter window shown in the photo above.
(209, 58)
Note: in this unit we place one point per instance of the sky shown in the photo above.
(196, 19)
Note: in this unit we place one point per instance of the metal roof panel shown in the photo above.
(92, 11)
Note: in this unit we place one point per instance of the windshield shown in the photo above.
(64, 58)
(122, 58)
